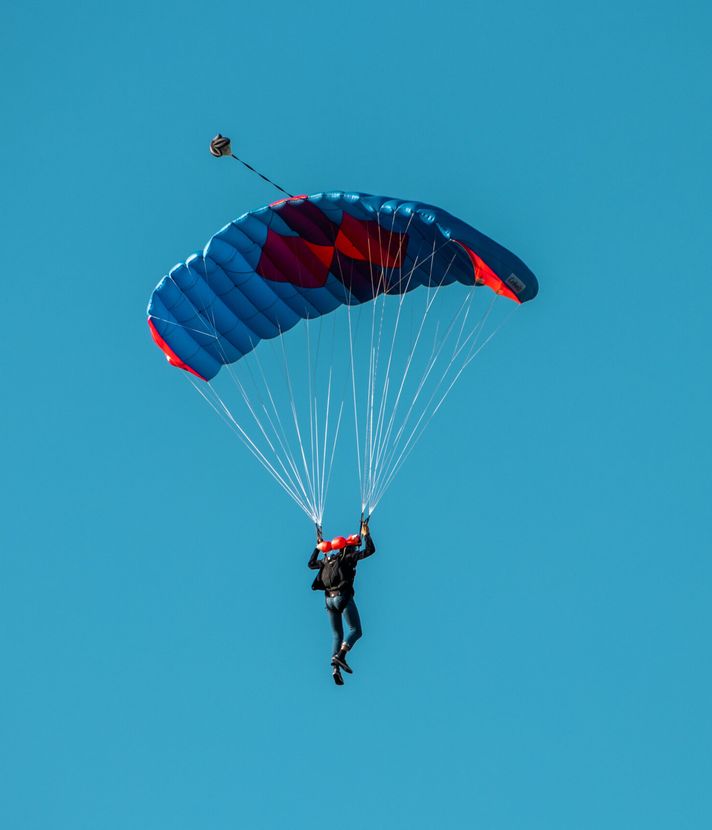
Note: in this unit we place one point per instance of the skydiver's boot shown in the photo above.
(336, 674)
(339, 659)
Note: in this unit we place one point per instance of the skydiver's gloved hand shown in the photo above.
(319, 534)
(364, 529)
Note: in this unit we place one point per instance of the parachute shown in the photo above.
(324, 261)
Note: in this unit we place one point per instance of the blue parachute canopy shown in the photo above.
(303, 257)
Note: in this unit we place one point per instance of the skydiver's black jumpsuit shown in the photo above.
(336, 578)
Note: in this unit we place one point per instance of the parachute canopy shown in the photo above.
(303, 257)
(345, 266)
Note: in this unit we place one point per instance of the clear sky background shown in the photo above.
(537, 617)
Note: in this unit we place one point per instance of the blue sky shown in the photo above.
(537, 616)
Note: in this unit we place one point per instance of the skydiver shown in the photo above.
(337, 572)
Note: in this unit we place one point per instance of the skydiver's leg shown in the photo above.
(354, 623)
(334, 611)
(333, 608)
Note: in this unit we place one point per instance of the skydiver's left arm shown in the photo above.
(368, 548)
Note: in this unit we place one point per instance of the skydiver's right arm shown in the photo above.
(313, 563)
